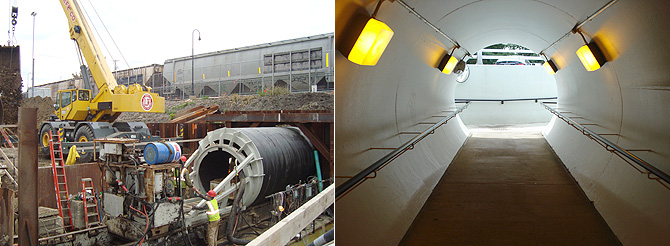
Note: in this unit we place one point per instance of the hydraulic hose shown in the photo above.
(323, 239)
(230, 228)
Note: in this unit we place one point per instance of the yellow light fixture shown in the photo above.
(371, 43)
(590, 55)
(549, 65)
(447, 63)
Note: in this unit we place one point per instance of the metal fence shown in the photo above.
(248, 84)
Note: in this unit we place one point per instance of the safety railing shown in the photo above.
(626, 155)
(502, 101)
(359, 178)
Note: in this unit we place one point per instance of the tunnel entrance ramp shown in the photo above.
(507, 187)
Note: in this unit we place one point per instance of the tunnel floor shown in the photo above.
(507, 187)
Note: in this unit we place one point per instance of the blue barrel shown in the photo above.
(161, 152)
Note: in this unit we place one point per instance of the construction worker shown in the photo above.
(212, 215)
(179, 177)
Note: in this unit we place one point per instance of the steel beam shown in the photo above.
(318, 144)
(274, 116)
(27, 227)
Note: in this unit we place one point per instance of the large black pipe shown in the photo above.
(287, 157)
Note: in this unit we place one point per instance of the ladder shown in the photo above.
(91, 218)
(4, 135)
(60, 181)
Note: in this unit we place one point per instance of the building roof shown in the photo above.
(256, 46)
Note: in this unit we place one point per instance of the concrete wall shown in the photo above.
(374, 104)
(506, 82)
(628, 96)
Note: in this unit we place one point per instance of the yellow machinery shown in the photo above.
(81, 116)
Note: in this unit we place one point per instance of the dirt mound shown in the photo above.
(290, 101)
(44, 105)
(10, 89)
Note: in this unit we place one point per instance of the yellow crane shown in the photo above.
(81, 116)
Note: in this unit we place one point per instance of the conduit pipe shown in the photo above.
(580, 25)
(411, 10)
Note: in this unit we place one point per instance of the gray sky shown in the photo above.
(149, 32)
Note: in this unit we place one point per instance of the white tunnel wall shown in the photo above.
(628, 96)
(374, 104)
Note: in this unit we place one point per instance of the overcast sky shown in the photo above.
(149, 32)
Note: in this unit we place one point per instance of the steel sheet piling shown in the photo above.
(27, 227)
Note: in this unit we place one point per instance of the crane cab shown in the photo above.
(73, 104)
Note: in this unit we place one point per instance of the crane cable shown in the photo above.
(97, 33)
(110, 35)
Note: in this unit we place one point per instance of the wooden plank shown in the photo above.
(282, 232)
(195, 114)
(185, 112)
(4, 156)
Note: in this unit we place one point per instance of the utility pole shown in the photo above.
(33, 77)
(192, 60)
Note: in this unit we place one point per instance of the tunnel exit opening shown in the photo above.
(505, 83)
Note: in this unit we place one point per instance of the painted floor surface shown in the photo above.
(507, 187)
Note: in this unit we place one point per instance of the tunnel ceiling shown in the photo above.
(533, 24)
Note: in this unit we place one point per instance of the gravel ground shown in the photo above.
(292, 101)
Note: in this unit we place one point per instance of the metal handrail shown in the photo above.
(359, 178)
(505, 100)
(612, 147)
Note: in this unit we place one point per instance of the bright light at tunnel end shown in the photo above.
(371, 43)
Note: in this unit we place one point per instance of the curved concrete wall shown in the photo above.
(627, 96)
(373, 105)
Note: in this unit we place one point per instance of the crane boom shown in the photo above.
(80, 32)
(112, 99)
